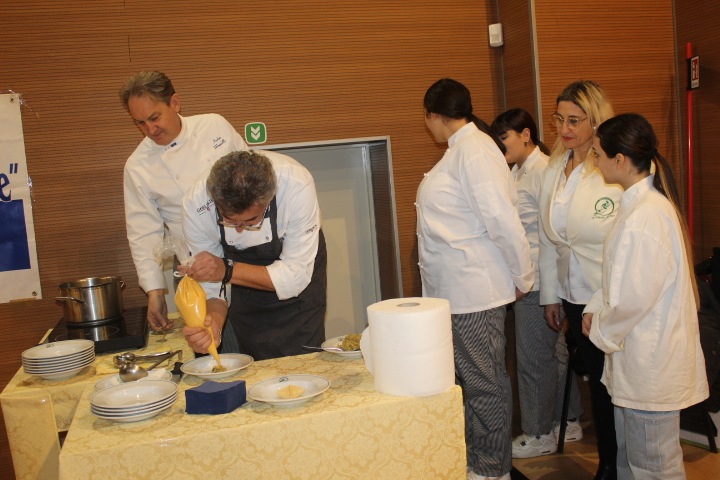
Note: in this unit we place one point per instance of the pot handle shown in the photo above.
(70, 298)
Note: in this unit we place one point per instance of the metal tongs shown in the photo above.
(129, 357)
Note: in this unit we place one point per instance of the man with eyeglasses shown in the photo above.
(253, 222)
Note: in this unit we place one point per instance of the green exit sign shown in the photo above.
(255, 133)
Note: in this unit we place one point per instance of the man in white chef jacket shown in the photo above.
(253, 224)
(174, 152)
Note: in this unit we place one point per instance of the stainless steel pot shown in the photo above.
(91, 300)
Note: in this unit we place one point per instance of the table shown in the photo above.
(350, 431)
(35, 410)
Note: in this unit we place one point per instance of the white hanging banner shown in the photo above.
(19, 273)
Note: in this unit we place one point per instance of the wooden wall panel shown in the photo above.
(697, 22)
(312, 71)
(517, 56)
(627, 47)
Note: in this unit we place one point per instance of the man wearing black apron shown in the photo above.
(253, 224)
(267, 327)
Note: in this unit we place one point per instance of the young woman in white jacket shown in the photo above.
(577, 209)
(645, 315)
(472, 251)
(541, 351)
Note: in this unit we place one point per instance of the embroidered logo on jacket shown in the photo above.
(203, 209)
(604, 207)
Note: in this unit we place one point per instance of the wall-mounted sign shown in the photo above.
(693, 73)
(255, 133)
(19, 273)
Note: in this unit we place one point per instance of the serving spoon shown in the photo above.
(130, 371)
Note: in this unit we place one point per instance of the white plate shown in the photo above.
(267, 390)
(335, 343)
(134, 418)
(57, 349)
(59, 368)
(133, 394)
(202, 367)
(60, 375)
(109, 412)
(59, 360)
(114, 380)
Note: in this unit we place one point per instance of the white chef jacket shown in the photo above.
(527, 181)
(645, 316)
(590, 215)
(298, 225)
(471, 245)
(157, 177)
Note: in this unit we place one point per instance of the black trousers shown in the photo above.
(594, 361)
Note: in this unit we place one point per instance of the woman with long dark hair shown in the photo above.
(472, 251)
(541, 351)
(645, 315)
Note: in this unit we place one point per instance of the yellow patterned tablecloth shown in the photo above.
(35, 410)
(350, 431)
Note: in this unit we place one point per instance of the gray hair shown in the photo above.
(153, 84)
(240, 180)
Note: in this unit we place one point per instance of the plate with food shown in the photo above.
(205, 367)
(288, 390)
(345, 345)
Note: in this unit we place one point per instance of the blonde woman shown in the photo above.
(645, 315)
(577, 209)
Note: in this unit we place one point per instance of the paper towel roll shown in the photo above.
(408, 346)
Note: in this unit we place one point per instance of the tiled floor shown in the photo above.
(579, 461)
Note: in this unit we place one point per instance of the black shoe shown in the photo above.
(606, 472)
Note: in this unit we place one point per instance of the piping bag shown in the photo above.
(191, 300)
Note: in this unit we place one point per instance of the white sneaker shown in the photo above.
(573, 431)
(528, 446)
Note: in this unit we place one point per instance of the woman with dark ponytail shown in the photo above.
(645, 315)
(473, 252)
(541, 352)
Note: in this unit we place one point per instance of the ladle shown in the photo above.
(129, 371)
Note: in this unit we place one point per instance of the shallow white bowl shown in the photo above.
(113, 380)
(202, 367)
(58, 349)
(133, 394)
(267, 390)
(332, 343)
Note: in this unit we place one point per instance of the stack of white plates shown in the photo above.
(58, 360)
(134, 401)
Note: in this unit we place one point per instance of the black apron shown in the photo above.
(267, 327)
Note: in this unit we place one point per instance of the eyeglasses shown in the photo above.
(572, 122)
(252, 228)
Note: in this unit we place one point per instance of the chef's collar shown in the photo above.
(462, 132)
(180, 139)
